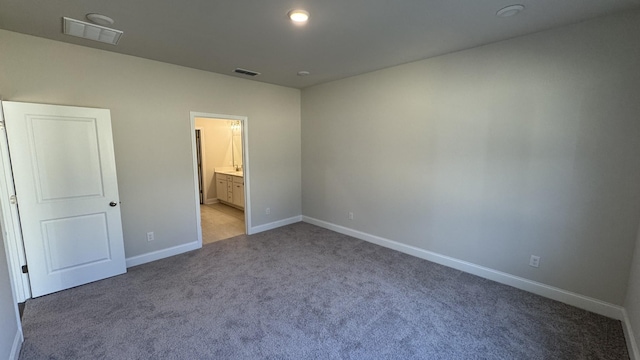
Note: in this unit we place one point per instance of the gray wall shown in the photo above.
(150, 104)
(632, 301)
(527, 146)
(9, 327)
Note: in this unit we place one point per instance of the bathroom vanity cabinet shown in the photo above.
(230, 189)
(237, 195)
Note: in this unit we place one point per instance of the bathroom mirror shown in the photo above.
(236, 144)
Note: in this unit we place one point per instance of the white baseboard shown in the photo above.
(17, 345)
(211, 201)
(567, 297)
(161, 254)
(275, 224)
(632, 345)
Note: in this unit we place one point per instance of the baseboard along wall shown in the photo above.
(632, 345)
(175, 250)
(275, 224)
(567, 297)
(551, 292)
(161, 254)
(179, 249)
(17, 346)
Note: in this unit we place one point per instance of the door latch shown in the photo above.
(25, 269)
(13, 200)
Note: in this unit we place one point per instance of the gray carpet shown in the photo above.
(302, 292)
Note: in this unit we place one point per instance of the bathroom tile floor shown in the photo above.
(220, 222)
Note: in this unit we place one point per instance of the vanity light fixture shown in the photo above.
(510, 10)
(235, 126)
(298, 16)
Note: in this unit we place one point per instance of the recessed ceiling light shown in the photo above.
(303, 73)
(298, 16)
(100, 19)
(510, 10)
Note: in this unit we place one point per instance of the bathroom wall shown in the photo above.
(217, 151)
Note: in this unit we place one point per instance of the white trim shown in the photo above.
(244, 121)
(164, 253)
(17, 345)
(275, 224)
(11, 222)
(567, 297)
(632, 345)
(7, 223)
(192, 129)
(211, 201)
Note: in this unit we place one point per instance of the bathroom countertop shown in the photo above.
(231, 172)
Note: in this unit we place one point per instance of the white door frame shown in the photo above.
(11, 221)
(244, 121)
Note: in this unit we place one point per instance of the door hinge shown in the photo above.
(13, 200)
(25, 269)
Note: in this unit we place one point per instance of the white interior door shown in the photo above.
(66, 185)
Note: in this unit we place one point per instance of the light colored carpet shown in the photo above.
(220, 222)
(302, 292)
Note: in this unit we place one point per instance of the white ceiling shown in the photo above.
(341, 39)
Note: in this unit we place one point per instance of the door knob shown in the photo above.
(113, 203)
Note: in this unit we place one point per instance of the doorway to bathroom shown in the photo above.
(220, 172)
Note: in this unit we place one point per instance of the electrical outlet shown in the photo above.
(534, 261)
(350, 215)
(150, 236)
(267, 211)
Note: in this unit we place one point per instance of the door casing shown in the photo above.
(11, 221)
(244, 121)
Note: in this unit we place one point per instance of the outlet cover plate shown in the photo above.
(534, 261)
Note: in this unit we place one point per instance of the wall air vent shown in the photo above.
(90, 31)
(246, 72)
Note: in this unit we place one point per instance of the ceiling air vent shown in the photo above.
(90, 31)
(246, 72)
